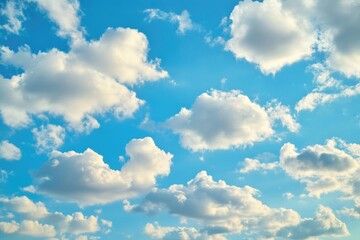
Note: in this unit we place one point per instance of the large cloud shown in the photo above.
(324, 168)
(274, 33)
(221, 120)
(219, 208)
(37, 221)
(79, 84)
(269, 35)
(96, 182)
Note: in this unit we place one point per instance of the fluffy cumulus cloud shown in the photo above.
(13, 12)
(340, 39)
(96, 182)
(221, 120)
(48, 137)
(324, 168)
(183, 20)
(325, 224)
(65, 14)
(220, 209)
(39, 222)
(269, 35)
(9, 151)
(77, 85)
(275, 33)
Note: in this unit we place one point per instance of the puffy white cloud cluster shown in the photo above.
(269, 35)
(9, 151)
(13, 12)
(86, 81)
(39, 222)
(48, 137)
(325, 224)
(275, 33)
(183, 20)
(324, 168)
(221, 120)
(222, 209)
(96, 182)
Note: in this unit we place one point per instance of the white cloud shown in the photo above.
(13, 12)
(342, 37)
(65, 14)
(323, 168)
(39, 222)
(250, 165)
(268, 34)
(221, 120)
(9, 227)
(183, 20)
(96, 182)
(288, 195)
(9, 151)
(315, 98)
(352, 212)
(80, 84)
(173, 233)
(25, 206)
(277, 111)
(4, 175)
(49, 137)
(218, 207)
(121, 54)
(325, 224)
(36, 229)
(275, 33)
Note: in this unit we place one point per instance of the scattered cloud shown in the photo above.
(39, 222)
(9, 151)
(13, 12)
(49, 137)
(325, 224)
(288, 195)
(324, 168)
(218, 207)
(221, 209)
(250, 165)
(4, 175)
(96, 182)
(65, 14)
(77, 85)
(183, 20)
(221, 120)
(277, 111)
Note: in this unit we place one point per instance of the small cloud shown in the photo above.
(183, 20)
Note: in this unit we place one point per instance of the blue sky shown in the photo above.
(179, 119)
